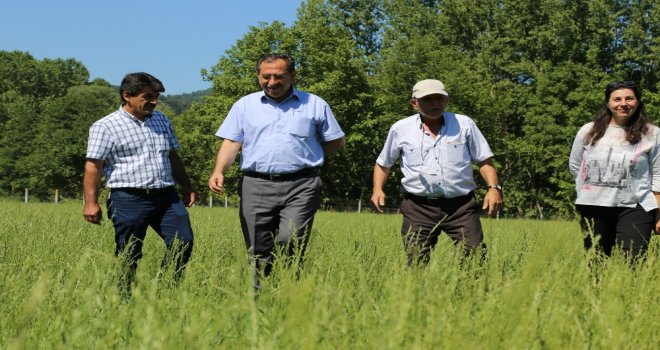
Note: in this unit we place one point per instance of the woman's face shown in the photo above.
(622, 104)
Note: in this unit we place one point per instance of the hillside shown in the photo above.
(181, 102)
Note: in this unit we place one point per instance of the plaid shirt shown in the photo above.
(136, 153)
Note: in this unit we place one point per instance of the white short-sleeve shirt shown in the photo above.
(440, 167)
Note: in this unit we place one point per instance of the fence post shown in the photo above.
(26, 195)
(210, 201)
(57, 196)
(225, 201)
(360, 205)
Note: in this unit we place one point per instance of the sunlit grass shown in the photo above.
(536, 289)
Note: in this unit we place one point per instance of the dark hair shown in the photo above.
(270, 57)
(637, 125)
(133, 83)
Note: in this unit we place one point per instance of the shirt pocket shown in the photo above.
(412, 157)
(456, 151)
(301, 127)
(161, 142)
(128, 147)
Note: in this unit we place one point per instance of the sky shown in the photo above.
(172, 40)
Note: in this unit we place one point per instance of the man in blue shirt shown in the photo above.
(136, 149)
(437, 149)
(285, 135)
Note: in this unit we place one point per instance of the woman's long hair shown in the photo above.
(638, 124)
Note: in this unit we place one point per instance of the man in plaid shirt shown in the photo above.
(136, 150)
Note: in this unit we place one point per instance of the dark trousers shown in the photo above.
(424, 220)
(606, 227)
(277, 216)
(133, 211)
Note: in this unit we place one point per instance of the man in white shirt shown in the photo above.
(437, 149)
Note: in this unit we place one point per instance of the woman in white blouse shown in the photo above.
(615, 161)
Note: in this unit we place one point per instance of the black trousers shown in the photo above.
(424, 220)
(606, 227)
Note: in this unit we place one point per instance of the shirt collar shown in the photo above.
(125, 113)
(294, 93)
(442, 125)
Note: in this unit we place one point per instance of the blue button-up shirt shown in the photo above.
(440, 167)
(280, 137)
(136, 153)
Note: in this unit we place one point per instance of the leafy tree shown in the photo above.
(332, 66)
(182, 102)
(364, 21)
(529, 73)
(31, 125)
(60, 74)
(57, 153)
(19, 117)
(195, 129)
(19, 72)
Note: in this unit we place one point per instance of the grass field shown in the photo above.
(536, 290)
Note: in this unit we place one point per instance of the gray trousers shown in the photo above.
(277, 217)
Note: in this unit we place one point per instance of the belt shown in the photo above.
(435, 199)
(143, 191)
(306, 172)
(417, 198)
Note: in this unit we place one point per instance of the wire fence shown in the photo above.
(214, 201)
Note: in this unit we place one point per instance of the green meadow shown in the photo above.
(538, 289)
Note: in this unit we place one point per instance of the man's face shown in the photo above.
(431, 106)
(142, 104)
(275, 80)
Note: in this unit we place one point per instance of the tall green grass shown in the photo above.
(535, 291)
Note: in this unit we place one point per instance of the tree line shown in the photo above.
(529, 72)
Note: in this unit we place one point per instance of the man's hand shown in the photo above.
(378, 196)
(91, 182)
(216, 182)
(492, 201)
(189, 198)
(93, 213)
(226, 156)
(378, 200)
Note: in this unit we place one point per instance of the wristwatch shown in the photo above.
(497, 187)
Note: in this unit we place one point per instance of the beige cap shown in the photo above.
(428, 87)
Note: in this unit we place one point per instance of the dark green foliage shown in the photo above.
(180, 103)
(46, 108)
(530, 73)
(57, 153)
